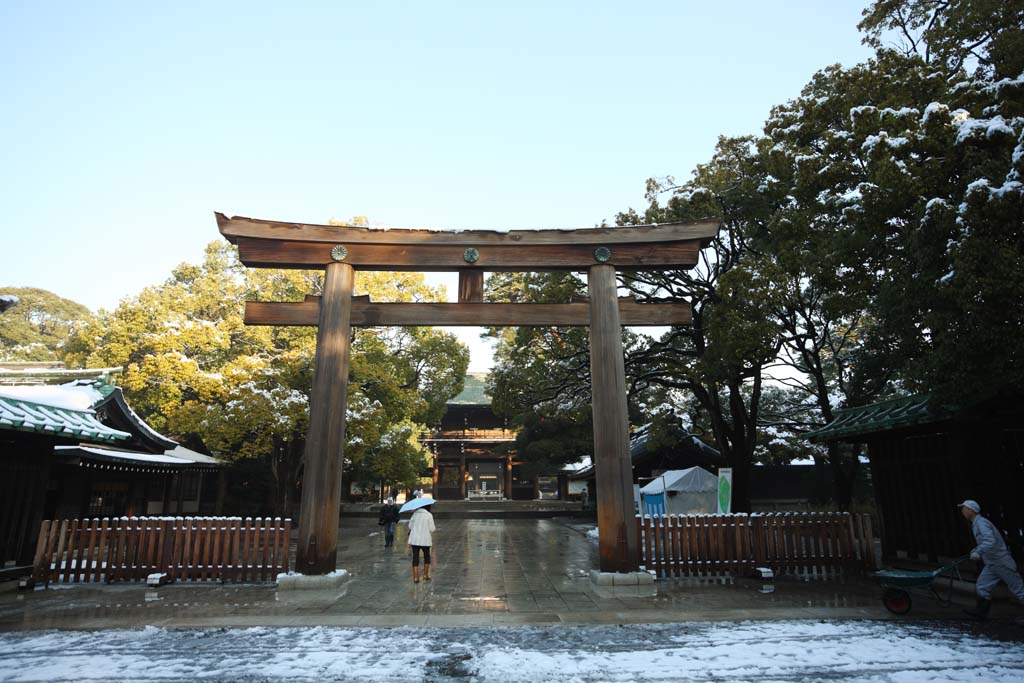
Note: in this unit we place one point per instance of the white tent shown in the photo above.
(692, 491)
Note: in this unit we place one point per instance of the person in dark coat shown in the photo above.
(388, 519)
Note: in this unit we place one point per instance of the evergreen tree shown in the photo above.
(36, 327)
(193, 369)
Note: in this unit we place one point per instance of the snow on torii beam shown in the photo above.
(341, 250)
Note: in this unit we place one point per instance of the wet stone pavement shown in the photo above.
(485, 573)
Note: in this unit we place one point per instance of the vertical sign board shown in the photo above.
(725, 490)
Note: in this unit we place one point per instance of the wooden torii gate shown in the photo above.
(340, 251)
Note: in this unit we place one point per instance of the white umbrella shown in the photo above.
(416, 504)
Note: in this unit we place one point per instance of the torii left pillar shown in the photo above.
(325, 438)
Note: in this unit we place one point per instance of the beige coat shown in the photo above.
(421, 526)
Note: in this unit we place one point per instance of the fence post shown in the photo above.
(37, 558)
(267, 568)
(672, 544)
(648, 555)
(869, 543)
(684, 544)
(287, 543)
(743, 544)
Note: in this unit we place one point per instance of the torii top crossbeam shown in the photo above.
(275, 244)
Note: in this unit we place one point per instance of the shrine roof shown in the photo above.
(19, 414)
(474, 392)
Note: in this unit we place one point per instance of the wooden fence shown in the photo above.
(787, 543)
(185, 549)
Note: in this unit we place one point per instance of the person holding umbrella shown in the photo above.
(421, 528)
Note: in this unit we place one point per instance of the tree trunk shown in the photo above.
(822, 484)
(742, 469)
(732, 439)
(844, 475)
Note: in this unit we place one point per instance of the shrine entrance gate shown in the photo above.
(340, 251)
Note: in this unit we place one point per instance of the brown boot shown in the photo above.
(426, 572)
(415, 574)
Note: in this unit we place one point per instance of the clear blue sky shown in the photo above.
(125, 125)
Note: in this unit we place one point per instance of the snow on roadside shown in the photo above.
(883, 652)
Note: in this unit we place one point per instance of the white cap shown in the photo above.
(970, 505)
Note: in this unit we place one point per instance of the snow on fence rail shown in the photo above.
(797, 543)
(183, 548)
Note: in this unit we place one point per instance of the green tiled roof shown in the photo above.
(879, 417)
(29, 416)
(474, 393)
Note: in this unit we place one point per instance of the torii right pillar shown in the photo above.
(618, 540)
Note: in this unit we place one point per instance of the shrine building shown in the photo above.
(473, 453)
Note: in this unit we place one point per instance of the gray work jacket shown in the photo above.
(991, 545)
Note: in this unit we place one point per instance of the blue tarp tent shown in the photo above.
(692, 491)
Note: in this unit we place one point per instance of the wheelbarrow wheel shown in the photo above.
(896, 601)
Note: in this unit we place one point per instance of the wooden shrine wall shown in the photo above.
(919, 478)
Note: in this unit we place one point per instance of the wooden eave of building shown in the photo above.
(115, 411)
(277, 244)
(856, 424)
(125, 460)
(467, 438)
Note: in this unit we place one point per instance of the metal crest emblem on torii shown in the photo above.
(341, 250)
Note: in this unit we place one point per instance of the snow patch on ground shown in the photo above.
(883, 652)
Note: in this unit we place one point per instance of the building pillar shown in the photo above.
(166, 503)
(325, 439)
(199, 491)
(508, 477)
(179, 496)
(462, 476)
(618, 543)
(436, 473)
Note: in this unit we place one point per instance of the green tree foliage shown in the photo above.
(872, 244)
(194, 369)
(896, 219)
(951, 34)
(930, 194)
(720, 356)
(541, 377)
(542, 374)
(34, 329)
(832, 236)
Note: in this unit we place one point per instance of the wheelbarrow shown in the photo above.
(897, 585)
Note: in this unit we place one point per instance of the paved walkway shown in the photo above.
(486, 572)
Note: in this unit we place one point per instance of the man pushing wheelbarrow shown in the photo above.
(999, 564)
